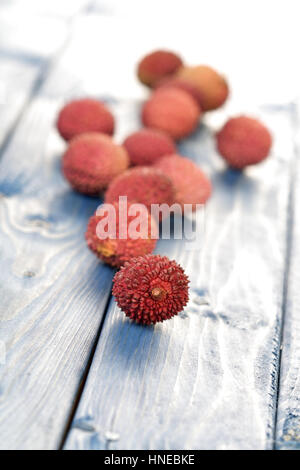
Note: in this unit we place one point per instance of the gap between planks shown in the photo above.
(239, 338)
(289, 246)
(288, 408)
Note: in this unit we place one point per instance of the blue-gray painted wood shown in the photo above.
(17, 79)
(53, 291)
(206, 379)
(288, 418)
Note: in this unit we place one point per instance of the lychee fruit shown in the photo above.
(191, 184)
(175, 82)
(151, 289)
(92, 161)
(84, 115)
(131, 232)
(156, 65)
(145, 185)
(173, 111)
(211, 85)
(146, 146)
(243, 141)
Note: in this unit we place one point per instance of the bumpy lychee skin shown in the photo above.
(211, 85)
(146, 146)
(92, 161)
(115, 247)
(151, 289)
(84, 115)
(157, 65)
(173, 111)
(145, 185)
(191, 184)
(244, 141)
(175, 82)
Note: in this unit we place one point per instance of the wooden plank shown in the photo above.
(13, 97)
(208, 378)
(288, 417)
(53, 290)
(40, 218)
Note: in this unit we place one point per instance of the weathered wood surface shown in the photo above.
(288, 417)
(53, 291)
(208, 378)
(13, 97)
(47, 328)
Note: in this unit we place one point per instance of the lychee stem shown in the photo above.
(158, 293)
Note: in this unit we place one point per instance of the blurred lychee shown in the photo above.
(92, 161)
(243, 141)
(212, 86)
(191, 184)
(146, 146)
(84, 115)
(173, 111)
(156, 65)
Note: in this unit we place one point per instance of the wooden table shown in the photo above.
(74, 373)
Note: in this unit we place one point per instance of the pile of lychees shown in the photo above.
(147, 169)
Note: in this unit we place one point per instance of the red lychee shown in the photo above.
(84, 115)
(191, 185)
(146, 146)
(145, 185)
(211, 85)
(243, 141)
(131, 232)
(151, 289)
(175, 82)
(173, 111)
(156, 65)
(92, 161)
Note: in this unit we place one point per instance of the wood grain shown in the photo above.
(208, 378)
(288, 417)
(53, 291)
